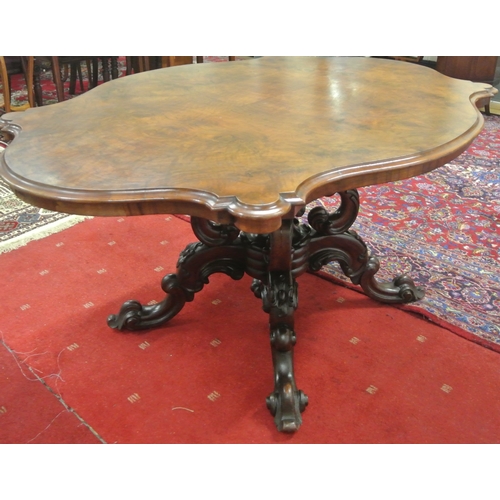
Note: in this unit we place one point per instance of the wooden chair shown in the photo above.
(27, 64)
(106, 62)
(413, 59)
(199, 59)
(74, 63)
(92, 63)
(71, 66)
(137, 64)
(72, 70)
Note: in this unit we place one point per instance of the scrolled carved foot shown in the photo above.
(339, 221)
(134, 316)
(286, 407)
(351, 252)
(401, 290)
(285, 403)
(197, 262)
(129, 316)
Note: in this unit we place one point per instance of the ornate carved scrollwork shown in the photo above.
(283, 338)
(401, 289)
(188, 252)
(347, 249)
(339, 221)
(213, 234)
(274, 261)
(196, 263)
(333, 241)
(256, 288)
(134, 316)
(285, 403)
(279, 295)
(8, 131)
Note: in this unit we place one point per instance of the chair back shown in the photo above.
(28, 64)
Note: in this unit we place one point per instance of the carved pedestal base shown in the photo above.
(274, 261)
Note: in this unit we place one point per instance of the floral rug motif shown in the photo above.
(443, 230)
(21, 223)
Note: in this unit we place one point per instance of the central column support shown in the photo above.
(274, 261)
(280, 300)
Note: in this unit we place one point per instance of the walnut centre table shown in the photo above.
(242, 148)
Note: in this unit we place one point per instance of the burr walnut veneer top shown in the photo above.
(248, 142)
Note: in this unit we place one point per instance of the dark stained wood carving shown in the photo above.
(274, 261)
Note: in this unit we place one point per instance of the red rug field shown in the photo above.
(373, 373)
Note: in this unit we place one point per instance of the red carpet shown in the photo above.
(373, 373)
(29, 412)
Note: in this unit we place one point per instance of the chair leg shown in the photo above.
(80, 76)
(128, 60)
(135, 64)
(88, 64)
(105, 68)
(4, 76)
(27, 64)
(140, 63)
(37, 88)
(29, 72)
(114, 67)
(28, 77)
(95, 72)
(72, 78)
(75, 72)
(56, 75)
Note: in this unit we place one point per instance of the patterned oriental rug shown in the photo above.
(443, 229)
(21, 223)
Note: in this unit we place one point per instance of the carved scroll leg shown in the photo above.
(349, 250)
(334, 241)
(285, 403)
(135, 316)
(196, 263)
(401, 290)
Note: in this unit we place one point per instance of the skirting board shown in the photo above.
(495, 107)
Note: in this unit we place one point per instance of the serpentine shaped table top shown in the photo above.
(247, 143)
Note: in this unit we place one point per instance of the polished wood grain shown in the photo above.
(248, 143)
